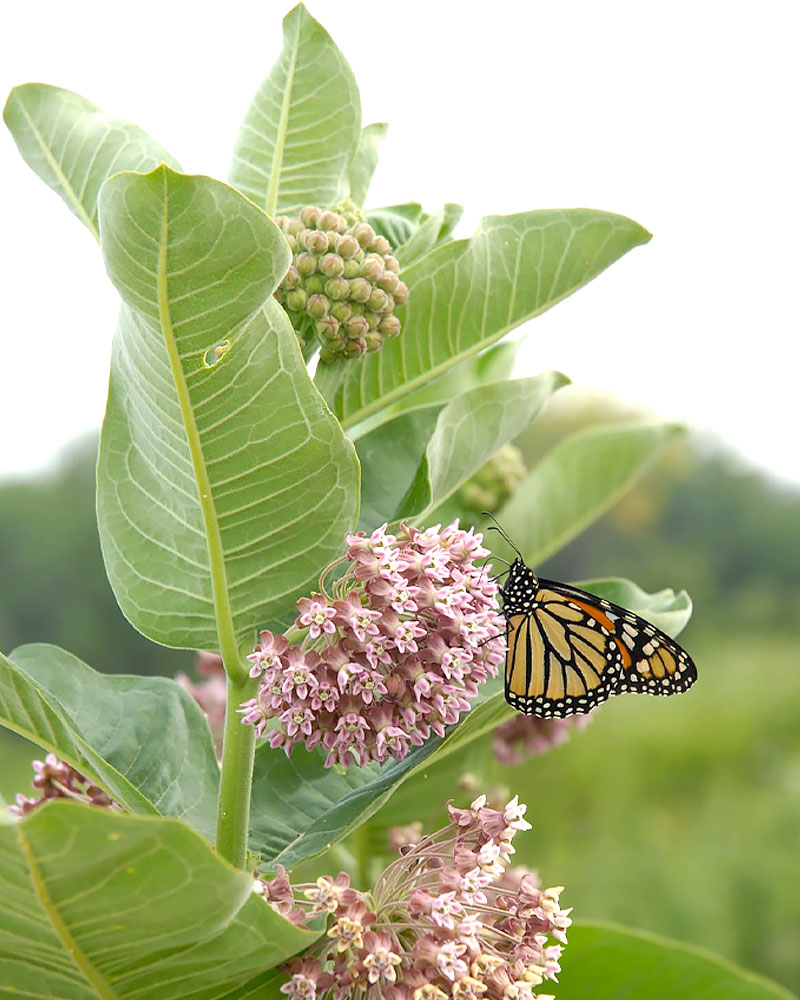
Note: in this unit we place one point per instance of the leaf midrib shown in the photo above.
(271, 203)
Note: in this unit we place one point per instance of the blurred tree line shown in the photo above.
(696, 520)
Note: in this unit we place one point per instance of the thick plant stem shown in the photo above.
(238, 749)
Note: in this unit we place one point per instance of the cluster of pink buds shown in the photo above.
(209, 693)
(525, 736)
(447, 920)
(395, 652)
(57, 780)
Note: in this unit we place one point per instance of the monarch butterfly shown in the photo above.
(569, 650)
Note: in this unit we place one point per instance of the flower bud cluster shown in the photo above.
(396, 652)
(209, 693)
(495, 481)
(447, 920)
(57, 780)
(524, 736)
(343, 283)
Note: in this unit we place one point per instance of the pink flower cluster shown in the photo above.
(525, 736)
(57, 780)
(396, 651)
(210, 693)
(447, 920)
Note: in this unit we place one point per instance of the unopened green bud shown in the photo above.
(381, 245)
(378, 300)
(360, 289)
(372, 319)
(292, 278)
(292, 241)
(389, 326)
(356, 326)
(389, 303)
(331, 350)
(342, 311)
(354, 347)
(364, 233)
(309, 215)
(391, 263)
(296, 299)
(293, 227)
(352, 268)
(331, 221)
(315, 240)
(347, 246)
(331, 265)
(388, 281)
(337, 288)
(401, 294)
(374, 340)
(317, 306)
(315, 285)
(328, 328)
(372, 267)
(279, 294)
(306, 263)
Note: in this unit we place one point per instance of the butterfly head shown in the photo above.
(519, 590)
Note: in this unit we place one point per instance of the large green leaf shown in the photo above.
(618, 964)
(415, 462)
(575, 482)
(100, 905)
(143, 739)
(319, 806)
(300, 134)
(224, 482)
(74, 146)
(434, 231)
(467, 294)
(365, 160)
(396, 222)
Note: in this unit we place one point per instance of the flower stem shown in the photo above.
(238, 751)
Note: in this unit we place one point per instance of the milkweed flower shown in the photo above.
(446, 920)
(397, 651)
(525, 736)
(55, 779)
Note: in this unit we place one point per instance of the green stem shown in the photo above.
(238, 751)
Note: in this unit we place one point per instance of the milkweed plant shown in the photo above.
(310, 403)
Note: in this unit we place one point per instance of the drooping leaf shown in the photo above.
(224, 483)
(74, 146)
(320, 806)
(577, 481)
(436, 229)
(631, 963)
(467, 294)
(664, 608)
(365, 160)
(143, 739)
(301, 131)
(101, 906)
(396, 222)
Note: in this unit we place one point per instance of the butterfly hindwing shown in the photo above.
(569, 650)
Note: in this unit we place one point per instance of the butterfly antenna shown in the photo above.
(496, 527)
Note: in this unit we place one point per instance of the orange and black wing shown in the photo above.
(572, 650)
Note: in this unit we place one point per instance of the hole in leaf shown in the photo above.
(216, 353)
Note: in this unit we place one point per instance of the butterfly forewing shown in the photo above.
(569, 650)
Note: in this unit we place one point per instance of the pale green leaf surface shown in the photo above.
(320, 806)
(576, 482)
(74, 146)
(144, 739)
(101, 905)
(467, 294)
(664, 608)
(396, 222)
(365, 160)
(300, 133)
(222, 490)
(631, 964)
(436, 229)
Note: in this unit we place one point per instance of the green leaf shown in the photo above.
(634, 964)
(74, 146)
(577, 481)
(100, 905)
(143, 739)
(467, 294)
(365, 160)
(224, 483)
(665, 609)
(320, 806)
(301, 131)
(413, 463)
(435, 230)
(397, 222)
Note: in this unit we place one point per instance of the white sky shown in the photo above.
(682, 115)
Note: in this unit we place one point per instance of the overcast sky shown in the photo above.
(682, 115)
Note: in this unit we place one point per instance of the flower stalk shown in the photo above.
(236, 778)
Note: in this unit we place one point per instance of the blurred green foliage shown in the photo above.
(678, 816)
